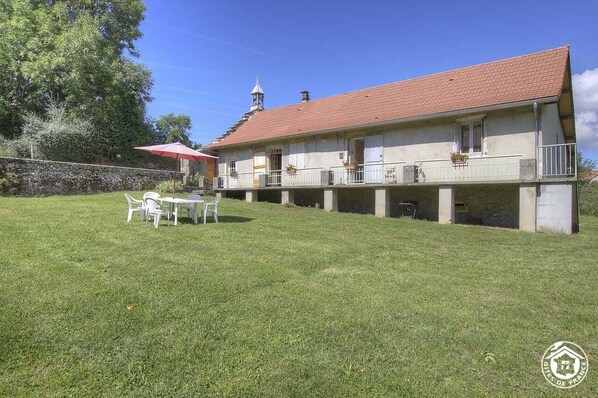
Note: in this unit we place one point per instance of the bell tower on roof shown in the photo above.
(257, 97)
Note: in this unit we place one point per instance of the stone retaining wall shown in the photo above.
(42, 177)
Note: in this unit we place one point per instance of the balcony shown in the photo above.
(557, 161)
(553, 161)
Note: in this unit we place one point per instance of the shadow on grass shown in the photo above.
(232, 219)
(223, 219)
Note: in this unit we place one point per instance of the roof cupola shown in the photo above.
(257, 97)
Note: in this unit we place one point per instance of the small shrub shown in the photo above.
(195, 179)
(588, 199)
(166, 186)
(8, 186)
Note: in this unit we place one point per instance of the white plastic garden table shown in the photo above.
(176, 202)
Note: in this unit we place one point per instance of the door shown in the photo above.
(210, 173)
(275, 169)
(259, 166)
(374, 154)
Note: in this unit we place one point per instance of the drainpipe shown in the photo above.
(536, 136)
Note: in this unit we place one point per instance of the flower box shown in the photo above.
(459, 159)
(291, 169)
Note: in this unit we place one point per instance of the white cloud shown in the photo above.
(585, 97)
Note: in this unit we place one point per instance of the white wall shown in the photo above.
(555, 208)
(506, 132)
(552, 130)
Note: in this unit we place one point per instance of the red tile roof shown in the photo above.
(528, 77)
(589, 175)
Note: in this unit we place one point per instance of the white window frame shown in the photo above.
(470, 122)
(232, 166)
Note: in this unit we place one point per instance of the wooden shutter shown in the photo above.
(297, 154)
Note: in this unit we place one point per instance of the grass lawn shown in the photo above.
(277, 302)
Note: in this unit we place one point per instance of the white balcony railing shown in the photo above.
(302, 177)
(273, 178)
(552, 161)
(368, 173)
(488, 168)
(558, 160)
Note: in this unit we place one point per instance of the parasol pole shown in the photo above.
(176, 166)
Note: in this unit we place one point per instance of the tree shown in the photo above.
(56, 136)
(73, 51)
(173, 128)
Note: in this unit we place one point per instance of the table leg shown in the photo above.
(195, 213)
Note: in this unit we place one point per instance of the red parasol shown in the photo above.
(178, 151)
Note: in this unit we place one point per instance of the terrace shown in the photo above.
(553, 161)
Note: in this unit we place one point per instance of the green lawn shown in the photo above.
(277, 302)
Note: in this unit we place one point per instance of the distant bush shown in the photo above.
(195, 179)
(588, 199)
(7, 184)
(166, 186)
(56, 136)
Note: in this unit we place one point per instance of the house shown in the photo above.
(590, 177)
(491, 144)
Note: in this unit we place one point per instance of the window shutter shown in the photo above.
(456, 137)
(297, 154)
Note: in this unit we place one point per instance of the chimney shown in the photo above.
(305, 96)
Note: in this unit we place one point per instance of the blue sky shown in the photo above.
(205, 55)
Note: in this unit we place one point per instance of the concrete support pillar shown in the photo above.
(446, 204)
(382, 203)
(251, 196)
(330, 200)
(287, 196)
(527, 207)
(221, 194)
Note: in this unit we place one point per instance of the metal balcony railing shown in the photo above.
(552, 161)
(558, 160)
(368, 173)
(487, 168)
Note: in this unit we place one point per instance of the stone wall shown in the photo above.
(425, 199)
(491, 205)
(42, 177)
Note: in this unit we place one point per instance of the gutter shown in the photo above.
(536, 135)
(392, 121)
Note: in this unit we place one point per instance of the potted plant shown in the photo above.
(234, 174)
(459, 158)
(291, 169)
(349, 165)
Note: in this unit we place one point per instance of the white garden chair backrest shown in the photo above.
(213, 204)
(194, 197)
(153, 195)
(151, 205)
(132, 201)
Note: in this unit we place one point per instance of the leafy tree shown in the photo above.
(173, 128)
(57, 136)
(73, 51)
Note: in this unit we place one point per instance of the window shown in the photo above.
(470, 136)
(232, 166)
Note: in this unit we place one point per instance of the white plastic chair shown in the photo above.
(211, 207)
(135, 205)
(153, 209)
(153, 195)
